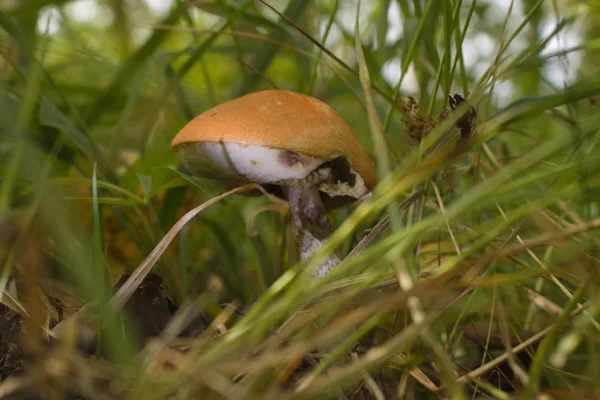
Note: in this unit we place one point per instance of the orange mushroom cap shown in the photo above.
(279, 119)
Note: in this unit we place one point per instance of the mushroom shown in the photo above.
(294, 145)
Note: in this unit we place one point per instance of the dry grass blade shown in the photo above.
(542, 240)
(10, 301)
(370, 382)
(417, 374)
(543, 303)
(119, 299)
(11, 385)
(490, 365)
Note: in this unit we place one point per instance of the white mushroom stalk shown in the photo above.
(294, 145)
(310, 225)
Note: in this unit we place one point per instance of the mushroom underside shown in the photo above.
(240, 163)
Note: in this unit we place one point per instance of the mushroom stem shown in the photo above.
(310, 225)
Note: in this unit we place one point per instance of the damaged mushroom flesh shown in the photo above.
(294, 145)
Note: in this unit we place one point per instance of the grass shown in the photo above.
(471, 270)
